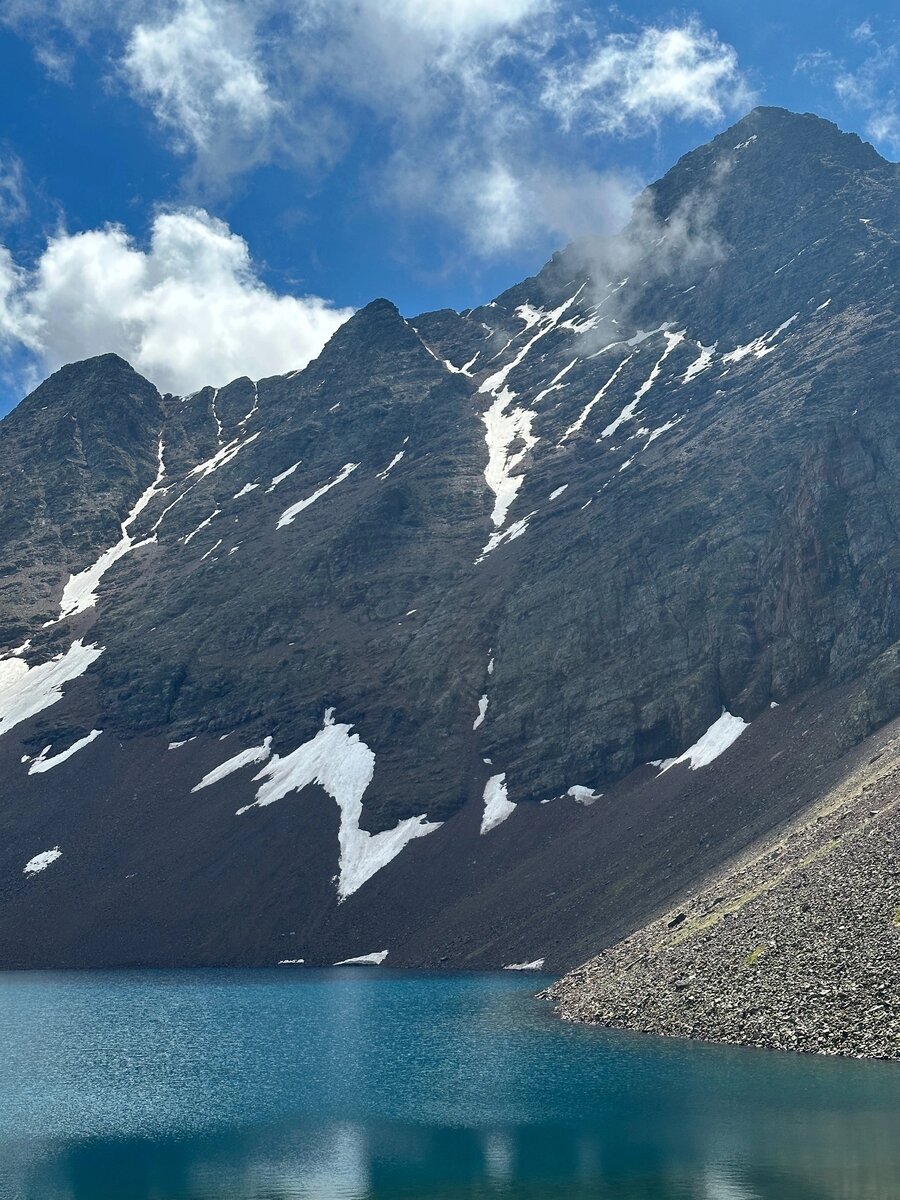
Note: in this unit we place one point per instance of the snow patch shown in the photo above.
(212, 405)
(506, 535)
(375, 959)
(723, 733)
(760, 346)
(248, 487)
(465, 369)
(700, 363)
(18, 651)
(496, 805)
(41, 861)
(26, 690)
(46, 761)
(586, 411)
(203, 525)
(525, 966)
(663, 429)
(253, 407)
(80, 592)
(342, 764)
(222, 457)
(290, 962)
(554, 385)
(672, 340)
(557, 492)
(482, 712)
(295, 509)
(505, 424)
(583, 795)
(255, 754)
(276, 479)
(387, 470)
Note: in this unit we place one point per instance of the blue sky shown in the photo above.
(209, 187)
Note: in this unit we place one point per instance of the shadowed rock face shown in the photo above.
(656, 480)
(73, 456)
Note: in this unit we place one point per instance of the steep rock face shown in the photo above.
(739, 542)
(516, 553)
(73, 456)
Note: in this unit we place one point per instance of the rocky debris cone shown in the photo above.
(797, 947)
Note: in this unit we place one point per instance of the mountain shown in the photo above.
(488, 635)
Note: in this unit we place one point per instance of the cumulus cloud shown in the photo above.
(187, 310)
(631, 81)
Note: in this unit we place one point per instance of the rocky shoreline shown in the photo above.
(795, 947)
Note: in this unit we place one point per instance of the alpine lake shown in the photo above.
(363, 1083)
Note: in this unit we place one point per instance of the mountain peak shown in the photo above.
(798, 134)
(102, 385)
(770, 165)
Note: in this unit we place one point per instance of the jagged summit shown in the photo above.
(418, 617)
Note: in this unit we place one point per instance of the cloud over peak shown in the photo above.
(632, 81)
(187, 310)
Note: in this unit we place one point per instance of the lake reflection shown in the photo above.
(367, 1084)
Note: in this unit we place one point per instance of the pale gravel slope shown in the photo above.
(795, 947)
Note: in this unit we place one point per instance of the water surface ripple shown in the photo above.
(367, 1084)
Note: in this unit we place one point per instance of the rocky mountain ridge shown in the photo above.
(379, 651)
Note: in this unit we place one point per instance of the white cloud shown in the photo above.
(198, 74)
(508, 203)
(12, 189)
(460, 18)
(867, 85)
(630, 82)
(186, 311)
(884, 126)
(481, 112)
(16, 329)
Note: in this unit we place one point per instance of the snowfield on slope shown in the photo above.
(341, 763)
(723, 733)
(26, 690)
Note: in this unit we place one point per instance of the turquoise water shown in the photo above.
(364, 1083)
